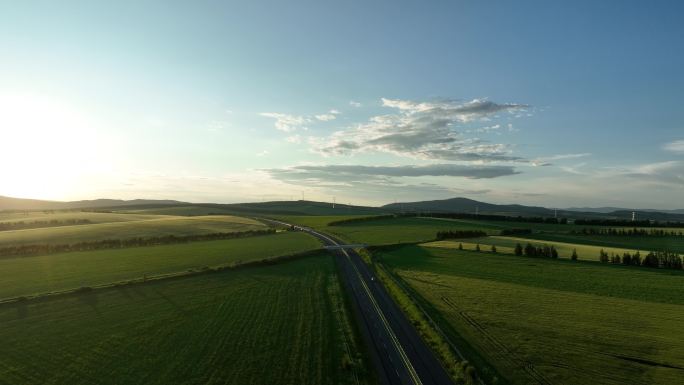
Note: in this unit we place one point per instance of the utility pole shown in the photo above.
(555, 213)
(333, 202)
(633, 216)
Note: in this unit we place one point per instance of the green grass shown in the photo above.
(158, 226)
(555, 320)
(279, 324)
(23, 276)
(93, 217)
(400, 230)
(674, 244)
(506, 245)
(317, 222)
(181, 211)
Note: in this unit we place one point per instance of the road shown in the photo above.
(401, 356)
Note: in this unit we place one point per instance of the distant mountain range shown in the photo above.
(453, 205)
(464, 205)
(7, 203)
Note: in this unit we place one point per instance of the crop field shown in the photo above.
(553, 321)
(401, 230)
(506, 245)
(666, 243)
(156, 226)
(23, 276)
(181, 211)
(93, 217)
(317, 222)
(278, 324)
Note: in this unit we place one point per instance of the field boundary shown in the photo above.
(159, 277)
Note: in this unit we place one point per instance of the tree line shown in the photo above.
(36, 249)
(629, 232)
(539, 251)
(516, 231)
(20, 225)
(654, 259)
(452, 234)
(362, 219)
(626, 222)
(493, 217)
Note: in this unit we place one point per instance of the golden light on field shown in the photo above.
(47, 147)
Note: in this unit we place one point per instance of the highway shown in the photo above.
(398, 352)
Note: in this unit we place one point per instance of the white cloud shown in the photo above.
(326, 117)
(676, 146)
(262, 153)
(424, 130)
(354, 104)
(286, 122)
(358, 173)
(334, 112)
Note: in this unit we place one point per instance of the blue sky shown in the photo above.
(535, 102)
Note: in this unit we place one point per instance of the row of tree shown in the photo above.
(629, 232)
(20, 225)
(361, 219)
(454, 234)
(537, 251)
(493, 217)
(626, 222)
(516, 231)
(35, 249)
(655, 259)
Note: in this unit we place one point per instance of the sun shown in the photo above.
(46, 147)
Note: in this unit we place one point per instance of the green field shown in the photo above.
(400, 230)
(318, 221)
(145, 227)
(553, 321)
(669, 243)
(279, 324)
(181, 211)
(506, 245)
(94, 217)
(55, 272)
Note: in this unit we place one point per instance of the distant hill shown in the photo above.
(300, 207)
(14, 204)
(277, 207)
(465, 205)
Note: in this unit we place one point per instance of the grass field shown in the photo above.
(317, 222)
(180, 211)
(157, 226)
(400, 230)
(554, 321)
(506, 245)
(674, 244)
(279, 324)
(55, 272)
(93, 217)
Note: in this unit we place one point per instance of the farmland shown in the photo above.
(666, 243)
(400, 230)
(552, 321)
(284, 324)
(506, 245)
(38, 274)
(137, 226)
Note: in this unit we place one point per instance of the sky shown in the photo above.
(548, 103)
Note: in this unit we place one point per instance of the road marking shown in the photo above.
(395, 341)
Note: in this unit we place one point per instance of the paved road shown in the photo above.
(396, 348)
